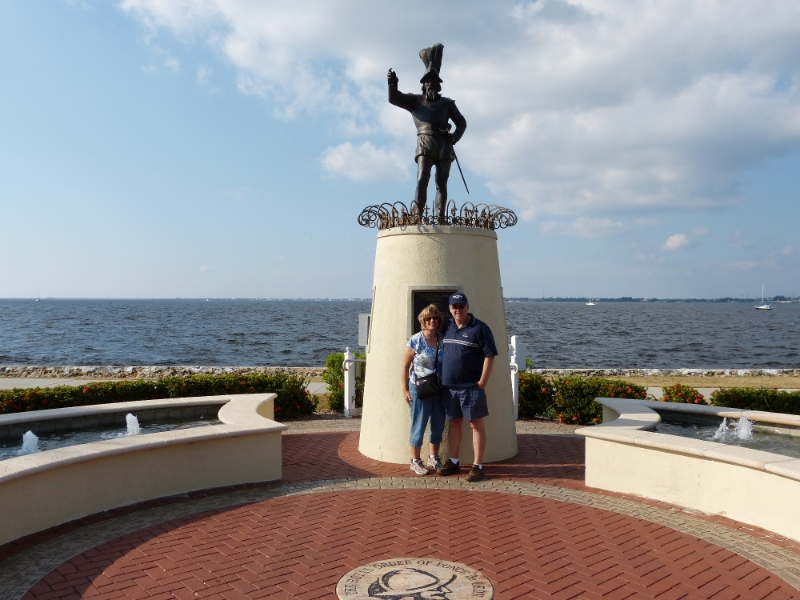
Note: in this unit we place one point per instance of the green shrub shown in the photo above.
(293, 399)
(570, 399)
(334, 377)
(573, 401)
(768, 399)
(535, 395)
(682, 393)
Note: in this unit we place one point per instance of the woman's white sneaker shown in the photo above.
(418, 467)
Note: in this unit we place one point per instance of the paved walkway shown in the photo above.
(531, 527)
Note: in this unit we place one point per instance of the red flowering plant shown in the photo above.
(682, 393)
(573, 401)
(535, 396)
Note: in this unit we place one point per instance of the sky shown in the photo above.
(224, 148)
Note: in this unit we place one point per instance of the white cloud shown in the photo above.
(700, 231)
(575, 108)
(738, 241)
(203, 74)
(365, 162)
(205, 268)
(172, 63)
(586, 228)
(744, 265)
(149, 68)
(679, 240)
(787, 251)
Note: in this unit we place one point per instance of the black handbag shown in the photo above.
(429, 386)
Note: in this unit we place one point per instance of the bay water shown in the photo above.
(302, 332)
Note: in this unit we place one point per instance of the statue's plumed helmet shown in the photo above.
(432, 57)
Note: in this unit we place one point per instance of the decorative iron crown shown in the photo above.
(480, 216)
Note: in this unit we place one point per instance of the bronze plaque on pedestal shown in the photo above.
(422, 298)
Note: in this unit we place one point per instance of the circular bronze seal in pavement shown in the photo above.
(414, 579)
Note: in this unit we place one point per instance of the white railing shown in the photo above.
(350, 409)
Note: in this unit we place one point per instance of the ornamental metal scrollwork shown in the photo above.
(480, 216)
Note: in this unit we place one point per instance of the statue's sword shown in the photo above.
(460, 171)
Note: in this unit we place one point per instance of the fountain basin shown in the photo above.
(626, 455)
(41, 490)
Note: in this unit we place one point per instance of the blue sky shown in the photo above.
(224, 148)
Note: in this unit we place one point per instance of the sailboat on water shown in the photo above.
(763, 305)
(591, 303)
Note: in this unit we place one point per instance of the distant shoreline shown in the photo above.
(777, 299)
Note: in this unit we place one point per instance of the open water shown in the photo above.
(303, 332)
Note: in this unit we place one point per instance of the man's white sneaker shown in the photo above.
(418, 467)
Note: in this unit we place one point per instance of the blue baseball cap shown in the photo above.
(458, 298)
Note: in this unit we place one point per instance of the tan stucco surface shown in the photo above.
(38, 491)
(429, 258)
(759, 488)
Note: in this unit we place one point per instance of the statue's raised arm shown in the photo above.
(432, 114)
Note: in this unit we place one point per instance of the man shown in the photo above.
(469, 352)
(432, 114)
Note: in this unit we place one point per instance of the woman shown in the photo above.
(423, 357)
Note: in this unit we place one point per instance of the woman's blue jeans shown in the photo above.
(421, 412)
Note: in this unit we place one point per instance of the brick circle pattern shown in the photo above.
(301, 546)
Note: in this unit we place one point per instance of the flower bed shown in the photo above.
(682, 393)
(571, 399)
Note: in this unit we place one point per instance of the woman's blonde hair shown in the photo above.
(430, 311)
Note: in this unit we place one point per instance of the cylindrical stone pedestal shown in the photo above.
(410, 261)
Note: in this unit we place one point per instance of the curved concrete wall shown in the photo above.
(41, 490)
(430, 258)
(624, 455)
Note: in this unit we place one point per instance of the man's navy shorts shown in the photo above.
(465, 403)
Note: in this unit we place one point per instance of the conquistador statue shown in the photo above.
(432, 114)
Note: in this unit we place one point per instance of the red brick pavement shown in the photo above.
(298, 547)
(545, 459)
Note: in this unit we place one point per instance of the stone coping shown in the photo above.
(433, 229)
(74, 412)
(725, 412)
(636, 420)
(242, 414)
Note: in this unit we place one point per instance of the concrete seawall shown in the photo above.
(154, 372)
(143, 372)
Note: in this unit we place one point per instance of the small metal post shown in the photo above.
(516, 351)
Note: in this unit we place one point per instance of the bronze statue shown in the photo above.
(432, 114)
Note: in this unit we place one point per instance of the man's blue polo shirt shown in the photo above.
(464, 351)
